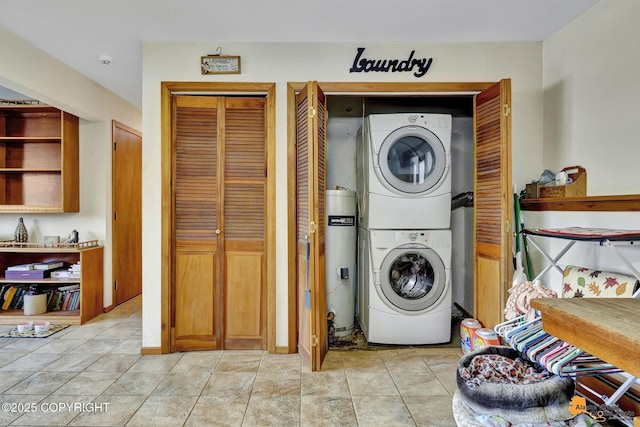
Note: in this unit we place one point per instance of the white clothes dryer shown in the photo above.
(403, 171)
(404, 289)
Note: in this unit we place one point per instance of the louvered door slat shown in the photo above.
(487, 198)
(302, 168)
(244, 166)
(322, 167)
(195, 173)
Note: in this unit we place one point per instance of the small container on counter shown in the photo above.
(468, 327)
(485, 337)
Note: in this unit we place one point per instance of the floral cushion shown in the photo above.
(580, 282)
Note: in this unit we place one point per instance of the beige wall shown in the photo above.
(591, 93)
(284, 62)
(32, 72)
(591, 118)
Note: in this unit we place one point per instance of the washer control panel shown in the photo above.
(433, 238)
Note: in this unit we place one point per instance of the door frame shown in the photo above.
(167, 89)
(343, 88)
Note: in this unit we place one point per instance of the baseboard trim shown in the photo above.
(150, 350)
(108, 309)
(282, 350)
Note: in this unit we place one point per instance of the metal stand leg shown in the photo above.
(612, 246)
(553, 261)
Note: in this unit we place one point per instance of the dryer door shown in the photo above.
(412, 160)
(412, 279)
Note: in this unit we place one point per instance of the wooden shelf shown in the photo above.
(19, 139)
(89, 254)
(39, 157)
(29, 170)
(13, 246)
(620, 203)
(62, 317)
(47, 281)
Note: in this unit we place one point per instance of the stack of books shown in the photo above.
(36, 270)
(74, 271)
(63, 298)
(12, 296)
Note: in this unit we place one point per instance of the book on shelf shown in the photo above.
(61, 274)
(48, 265)
(3, 291)
(8, 297)
(61, 298)
(74, 271)
(27, 274)
(21, 267)
(13, 296)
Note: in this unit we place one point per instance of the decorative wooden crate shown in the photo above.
(533, 190)
(578, 188)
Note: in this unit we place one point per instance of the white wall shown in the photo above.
(32, 72)
(591, 93)
(284, 62)
(591, 118)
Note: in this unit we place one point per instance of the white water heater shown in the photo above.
(341, 261)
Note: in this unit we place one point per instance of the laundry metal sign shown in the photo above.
(362, 64)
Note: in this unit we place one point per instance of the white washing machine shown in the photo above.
(403, 171)
(404, 286)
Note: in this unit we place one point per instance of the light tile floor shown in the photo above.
(94, 375)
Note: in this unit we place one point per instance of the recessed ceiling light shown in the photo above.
(105, 59)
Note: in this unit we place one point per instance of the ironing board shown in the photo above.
(609, 238)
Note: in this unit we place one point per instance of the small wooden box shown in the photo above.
(533, 190)
(578, 188)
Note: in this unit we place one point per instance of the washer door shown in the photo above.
(412, 279)
(412, 160)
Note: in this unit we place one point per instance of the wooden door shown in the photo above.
(310, 201)
(244, 186)
(219, 223)
(127, 213)
(195, 321)
(493, 208)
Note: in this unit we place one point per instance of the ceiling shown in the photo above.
(77, 32)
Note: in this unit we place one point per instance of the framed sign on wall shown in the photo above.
(218, 64)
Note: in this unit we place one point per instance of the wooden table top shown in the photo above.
(608, 328)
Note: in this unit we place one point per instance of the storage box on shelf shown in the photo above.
(89, 255)
(39, 156)
(577, 188)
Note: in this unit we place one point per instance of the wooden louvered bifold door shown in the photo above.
(219, 197)
(195, 319)
(303, 195)
(244, 222)
(492, 202)
(311, 118)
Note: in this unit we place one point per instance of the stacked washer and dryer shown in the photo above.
(404, 237)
